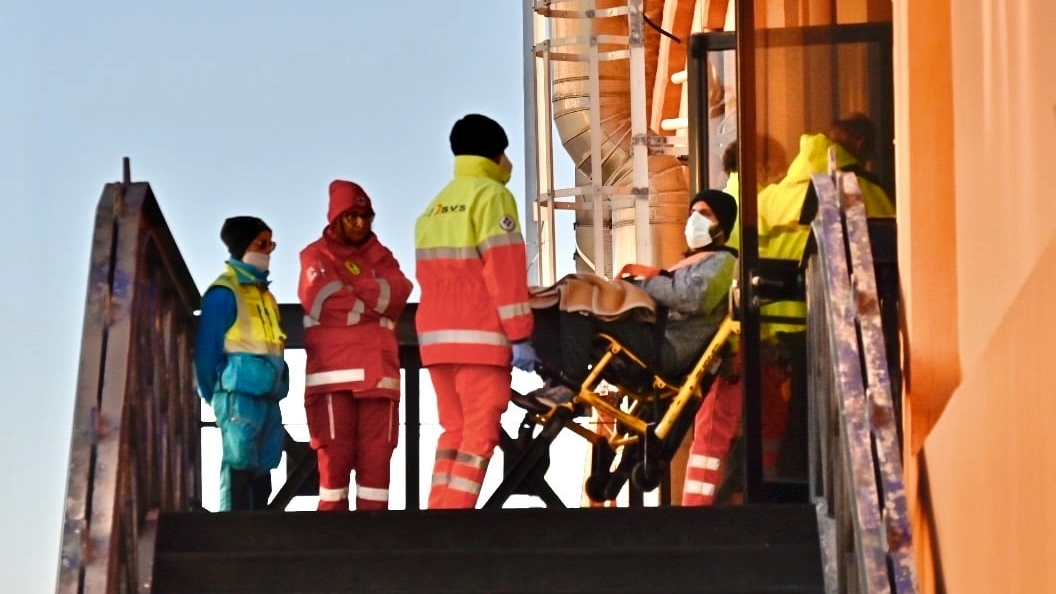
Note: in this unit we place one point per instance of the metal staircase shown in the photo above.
(732, 550)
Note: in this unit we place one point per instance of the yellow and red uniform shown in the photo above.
(472, 271)
(352, 296)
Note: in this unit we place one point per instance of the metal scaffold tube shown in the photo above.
(586, 77)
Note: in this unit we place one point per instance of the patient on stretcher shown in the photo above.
(664, 316)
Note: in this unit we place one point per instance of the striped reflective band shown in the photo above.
(446, 454)
(372, 494)
(447, 253)
(355, 314)
(340, 376)
(462, 337)
(333, 494)
(387, 323)
(465, 485)
(384, 295)
(329, 289)
(440, 478)
(699, 488)
(499, 241)
(705, 462)
(512, 311)
(389, 383)
(472, 460)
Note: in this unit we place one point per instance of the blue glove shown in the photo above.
(524, 357)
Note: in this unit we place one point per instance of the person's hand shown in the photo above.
(524, 356)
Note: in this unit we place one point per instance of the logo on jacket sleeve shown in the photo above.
(507, 223)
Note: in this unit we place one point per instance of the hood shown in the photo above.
(813, 158)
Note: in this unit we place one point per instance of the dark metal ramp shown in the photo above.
(736, 549)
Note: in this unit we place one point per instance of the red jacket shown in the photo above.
(352, 298)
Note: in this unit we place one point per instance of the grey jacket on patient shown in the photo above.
(695, 295)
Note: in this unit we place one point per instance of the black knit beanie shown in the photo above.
(478, 135)
(238, 232)
(723, 205)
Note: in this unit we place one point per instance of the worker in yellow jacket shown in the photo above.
(473, 318)
(786, 210)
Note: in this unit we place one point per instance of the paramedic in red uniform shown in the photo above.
(352, 292)
(473, 320)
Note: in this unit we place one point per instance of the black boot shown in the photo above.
(241, 489)
(261, 491)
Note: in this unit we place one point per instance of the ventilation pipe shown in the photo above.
(668, 186)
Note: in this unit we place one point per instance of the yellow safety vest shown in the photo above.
(256, 329)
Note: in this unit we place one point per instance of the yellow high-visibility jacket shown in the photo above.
(254, 344)
(781, 235)
(472, 269)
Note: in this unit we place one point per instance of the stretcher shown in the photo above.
(649, 416)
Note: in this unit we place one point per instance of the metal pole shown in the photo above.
(531, 149)
(749, 257)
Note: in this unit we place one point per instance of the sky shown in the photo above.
(226, 108)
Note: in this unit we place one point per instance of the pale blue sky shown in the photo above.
(225, 108)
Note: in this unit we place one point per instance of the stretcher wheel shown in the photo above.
(595, 488)
(647, 476)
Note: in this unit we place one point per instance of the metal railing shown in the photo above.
(135, 451)
(135, 445)
(856, 470)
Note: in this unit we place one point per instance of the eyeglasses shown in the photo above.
(264, 245)
(352, 216)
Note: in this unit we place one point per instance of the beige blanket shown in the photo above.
(589, 293)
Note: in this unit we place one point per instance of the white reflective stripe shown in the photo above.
(355, 314)
(384, 295)
(309, 321)
(446, 253)
(372, 494)
(464, 485)
(446, 454)
(387, 323)
(330, 412)
(389, 383)
(317, 306)
(472, 460)
(699, 488)
(512, 311)
(510, 238)
(441, 478)
(705, 462)
(333, 494)
(462, 337)
(340, 376)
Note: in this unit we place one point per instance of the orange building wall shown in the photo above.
(978, 241)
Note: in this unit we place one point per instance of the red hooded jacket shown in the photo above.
(352, 297)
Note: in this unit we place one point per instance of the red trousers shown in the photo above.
(717, 423)
(714, 428)
(469, 401)
(347, 434)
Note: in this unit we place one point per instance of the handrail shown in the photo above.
(135, 448)
(855, 434)
(135, 444)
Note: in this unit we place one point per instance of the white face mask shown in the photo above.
(506, 168)
(257, 260)
(698, 230)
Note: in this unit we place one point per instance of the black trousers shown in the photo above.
(792, 457)
(565, 341)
